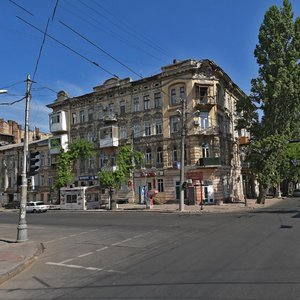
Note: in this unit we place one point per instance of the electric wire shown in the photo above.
(13, 102)
(138, 35)
(12, 85)
(102, 50)
(100, 26)
(41, 49)
(54, 11)
(21, 7)
(69, 48)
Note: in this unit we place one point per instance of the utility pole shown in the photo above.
(183, 133)
(22, 226)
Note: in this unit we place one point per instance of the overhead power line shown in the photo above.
(21, 7)
(69, 48)
(13, 102)
(129, 30)
(102, 50)
(41, 49)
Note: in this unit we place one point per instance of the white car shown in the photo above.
(36, 206)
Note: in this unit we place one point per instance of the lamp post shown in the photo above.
(22, 226)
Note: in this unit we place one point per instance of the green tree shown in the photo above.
(275, 96)
(80, 148)
(126, 161)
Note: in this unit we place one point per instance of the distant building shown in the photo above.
(12, 133)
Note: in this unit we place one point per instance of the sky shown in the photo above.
(89, 41)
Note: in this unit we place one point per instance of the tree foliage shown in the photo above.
(65, 161)
(126, 161)
(275, 96)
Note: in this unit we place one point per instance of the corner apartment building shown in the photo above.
(146, 114)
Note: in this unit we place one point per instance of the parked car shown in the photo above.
(296, 193)
(36, 206)
(13, 204)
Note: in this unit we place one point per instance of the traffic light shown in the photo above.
(34, 163)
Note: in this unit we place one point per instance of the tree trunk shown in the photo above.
(262, 194)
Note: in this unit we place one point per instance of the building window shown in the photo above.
(148, 157)
(204, 120)
(205, 150)
(157, 100)
(90, 163)
(159, 155)
(158, 126)
(55, 119)
(146, 102)
(147, 128)
(100, 112)
(82, 165)
(74, 118)
(90, 115)
(123, 132)
(136, 104)
(90, 136)
(122, 107)
(202, 93)
(81, 116)
(136, 130)
(111, 110)
(174, 124)
(173, 96)
(42, 180)
(160, 185)
(174, 154)
(182, 92)
(101, 160)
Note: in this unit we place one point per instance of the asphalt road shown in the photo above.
(138, 255)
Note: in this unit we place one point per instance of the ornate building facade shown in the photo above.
(147, 114)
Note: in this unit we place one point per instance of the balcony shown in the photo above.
(205, 103)
(57, 143)
(209, 161)
(210, 130)
(109, 137)
(58, 122)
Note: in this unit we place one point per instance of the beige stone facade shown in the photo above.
(146, 114)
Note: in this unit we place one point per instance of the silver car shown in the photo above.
(36, 206)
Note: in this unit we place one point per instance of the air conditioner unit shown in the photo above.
(196, 122)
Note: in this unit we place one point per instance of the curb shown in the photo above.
(23, 265)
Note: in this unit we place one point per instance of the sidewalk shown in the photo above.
(15, 257)
(196, 209)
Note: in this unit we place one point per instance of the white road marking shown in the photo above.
(121, 242)
(82, 267)
(85, 254)
(67, 260)
(101, 249)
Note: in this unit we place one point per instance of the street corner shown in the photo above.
(16, 257)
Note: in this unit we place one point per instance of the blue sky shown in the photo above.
(142, 35)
